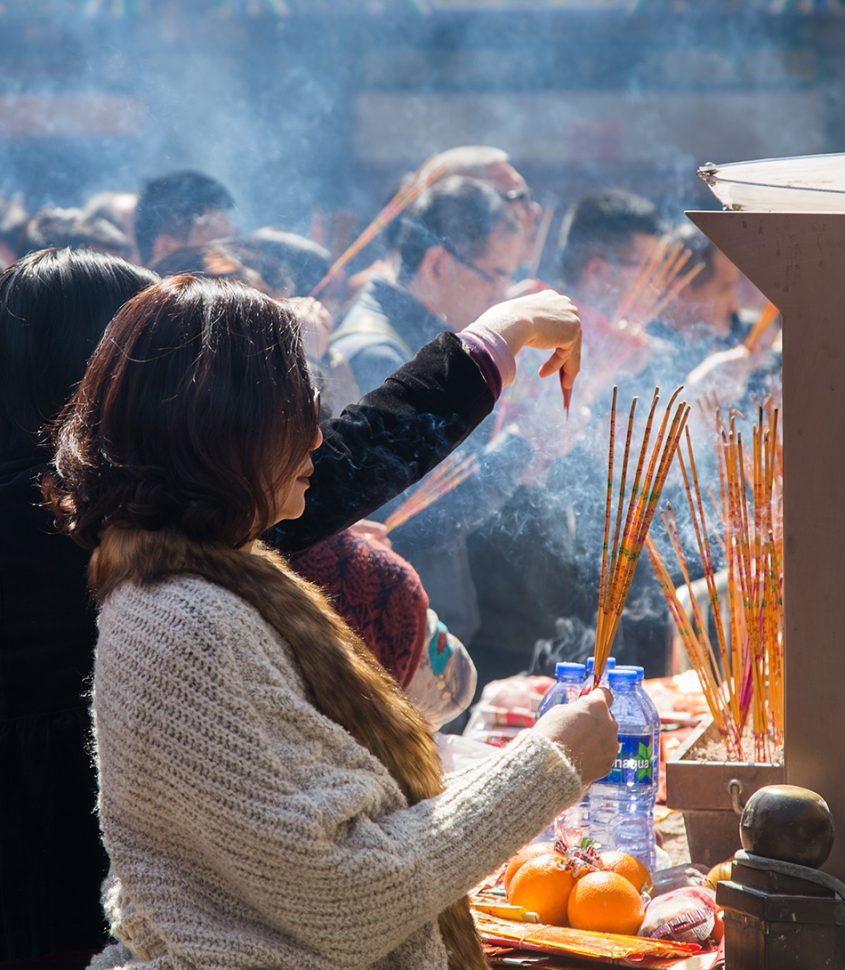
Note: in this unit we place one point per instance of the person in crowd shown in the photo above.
(190, 435)
(214, 260)
(58, 228)
(605, 238)
(180, 209)
(458, 250)
(54, 306)
(494, 166)
(699, 339)
(13, 219)
(482, 162)
(380, 595)
(292, 264)
(118, 208)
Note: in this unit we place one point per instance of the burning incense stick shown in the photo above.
(446, 477)
(743, 682)
(658, 283)
(407, 194)
(619, 559)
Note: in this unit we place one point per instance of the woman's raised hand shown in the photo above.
(586, 730)
(548, 321)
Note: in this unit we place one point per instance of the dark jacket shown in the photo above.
(51, 861)
(383, 328)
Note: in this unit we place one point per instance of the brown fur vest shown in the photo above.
(377, 713)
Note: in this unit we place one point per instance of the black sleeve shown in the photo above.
(387, 441)
(372, 365)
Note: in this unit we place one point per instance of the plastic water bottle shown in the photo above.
(568, 680)
(591, 669)
(572, 824)
(654, 718)
(621, 803)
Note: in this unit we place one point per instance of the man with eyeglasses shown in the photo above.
(494, 166)
(458, 248)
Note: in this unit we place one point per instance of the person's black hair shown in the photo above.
(290, 264)
(53, 228)
(170, 204)
(215, 260)
(54, 307)
(601, 224)
(457, 213)
(194, 412)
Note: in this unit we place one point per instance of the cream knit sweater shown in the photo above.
(247, 830)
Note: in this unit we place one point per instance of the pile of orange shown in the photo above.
(608, 900)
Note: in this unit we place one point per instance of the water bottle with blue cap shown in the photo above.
(622, 803)
(568, 680)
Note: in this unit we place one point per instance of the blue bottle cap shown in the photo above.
(591, 664)
(567, 670)
(621, 677)
(639, 671)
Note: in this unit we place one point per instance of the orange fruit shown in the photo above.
(530, 851)
(606, 903)
(629, 867)
(542, 885)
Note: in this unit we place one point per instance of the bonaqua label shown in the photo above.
(634, 764)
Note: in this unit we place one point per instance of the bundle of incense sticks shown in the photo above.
(619, 559)
(408, 193)
(742, 677)
(449, 474)
(662, 276)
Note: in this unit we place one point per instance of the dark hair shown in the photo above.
(601, 223)
(291, 265)
(195, 407)
(60, 228)
(171, 203)
(54, 307)
(216, 260)
(457, 213)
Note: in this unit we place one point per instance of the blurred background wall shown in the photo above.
(319, 106)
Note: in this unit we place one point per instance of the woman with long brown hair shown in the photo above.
(268, 797)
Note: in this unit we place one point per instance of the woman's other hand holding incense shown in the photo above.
(586, 730)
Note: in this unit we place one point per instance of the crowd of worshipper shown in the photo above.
(495, 577)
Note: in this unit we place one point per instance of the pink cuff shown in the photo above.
(481, 336)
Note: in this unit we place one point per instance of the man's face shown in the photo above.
(513, 188)
(467, 286)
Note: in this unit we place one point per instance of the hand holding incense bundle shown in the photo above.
(619, 560)
(448, 475)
